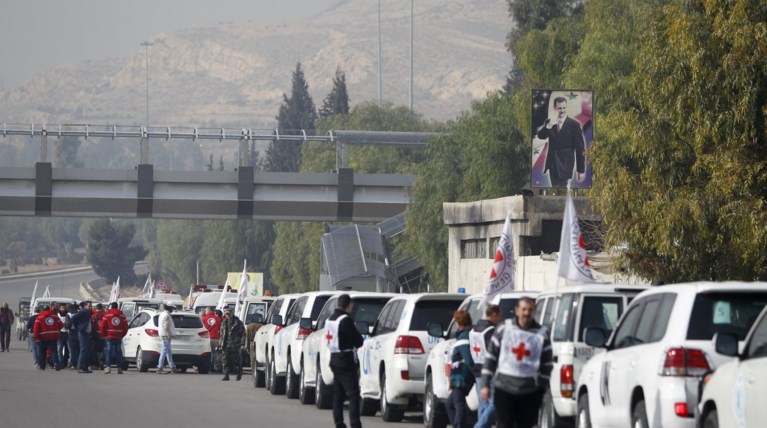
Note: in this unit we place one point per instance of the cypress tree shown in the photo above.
(337, 101)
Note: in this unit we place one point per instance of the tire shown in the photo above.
(259, 377)
(267, 376)
(583, 416)
(639, 416)
(389, 412)
(434, 414)
(291, 381)
(323, 394)
(203, 367)
(369, 406)
(277, 386)
(305, 393)
(548, 417)
(711, 420)
(141, 365)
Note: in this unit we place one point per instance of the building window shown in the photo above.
(474, 249)
(493, 246)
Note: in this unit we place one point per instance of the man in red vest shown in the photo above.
(212, 323)
(47, 332)
(114, 327)
(97, 340)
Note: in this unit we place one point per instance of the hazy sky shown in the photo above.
(39, 34)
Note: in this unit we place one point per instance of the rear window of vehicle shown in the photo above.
(319, 302)
(181, 321)
(427, 311)
(367, 310)
(601, 311)
(724, 313)
(507, 307)
(562, 325)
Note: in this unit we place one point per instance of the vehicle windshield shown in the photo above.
(367, 310)
(724, 312)
(182, 321)
(254, 309)
(427, 311)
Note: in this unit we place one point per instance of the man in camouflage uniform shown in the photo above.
(232, 343)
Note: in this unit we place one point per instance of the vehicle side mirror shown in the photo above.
(595, 336)
(277, 319)
(435, 329)
(305, 323)
(258, 319)
(362, 327)
(726, 344)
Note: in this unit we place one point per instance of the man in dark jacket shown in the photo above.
(343, 339)
(6, 321)
(232, 343)
(461, 371)
(519, 361)
(479, 341)
(81, 323)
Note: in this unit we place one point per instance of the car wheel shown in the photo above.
(639, 416)
(305, 394)
(548, 417)
(141, 365)
(277, 387)
(389, 412)
(712, 419)
(203, 367)
(268, 375)
(259, 376)
(434, 414)
(291, 381)
(323, 394)
(583, 417)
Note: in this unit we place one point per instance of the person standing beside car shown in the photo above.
(232, 343)
(114, 327)
(479, 340)
(212, 323)
(343, 339)
(82, 326)
(166, 332)
(461, 371)
(6, 321)
(519, 362)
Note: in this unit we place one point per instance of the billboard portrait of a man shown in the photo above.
(562, 130)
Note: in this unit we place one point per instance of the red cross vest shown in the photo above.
(477, 345)
(331, 335)
(520, 354)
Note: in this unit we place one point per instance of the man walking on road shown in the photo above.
(232, 343)
(479, 340)
(6, 321)
(47, 333)
(167, 332)
(82, 326)
(519, 362)
(114, 327)
(343, 339)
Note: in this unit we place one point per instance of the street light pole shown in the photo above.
(379, 52)
(146, 45)
(411, 55)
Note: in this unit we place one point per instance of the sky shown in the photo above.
(39, 34)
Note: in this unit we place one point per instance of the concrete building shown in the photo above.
(536, 220)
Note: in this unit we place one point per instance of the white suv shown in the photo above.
(316, 382)
(285, 354)
(191, 346)
(393, 359)
(649, 374)
(436, 384)
(264, 337)
(566, 312)
(733, 394)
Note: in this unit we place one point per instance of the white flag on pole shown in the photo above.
(115, 293)
(572, 262)
(502, 273)
(242, 292)
(147, 284)
(47, 291)
(220, 304)
(189, 297)
(34, 294)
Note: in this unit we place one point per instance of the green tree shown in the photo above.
(296, 113)
(685, 172)
(337, 101)
(65, 153)
(178, 248)
(110, 251)
(227, 243)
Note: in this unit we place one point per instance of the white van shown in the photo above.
(47, 301)
(255, 305)
(209, 300)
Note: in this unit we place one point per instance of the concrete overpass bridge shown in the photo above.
(145, 192)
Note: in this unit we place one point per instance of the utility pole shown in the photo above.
(146, 45)
(379, 52)
(411, 55)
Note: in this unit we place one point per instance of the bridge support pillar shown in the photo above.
(43, 188)
(44, 145)
(144, 147)
(345, 188)
(145, 191)
(245, 188)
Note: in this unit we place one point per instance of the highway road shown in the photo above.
(67, 399)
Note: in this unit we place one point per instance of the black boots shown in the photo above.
(226, 377)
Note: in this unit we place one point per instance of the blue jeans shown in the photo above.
(62, 345)
(486, 410)
(114, 348)
(456, 408)
(85, 342)
(166, 354)
(32, 346)
(74, 349)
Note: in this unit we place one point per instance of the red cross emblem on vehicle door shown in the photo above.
(520, 351)
(476, 349)
(329, 337)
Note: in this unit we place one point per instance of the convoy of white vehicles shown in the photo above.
(264, 339)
